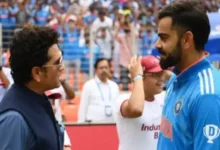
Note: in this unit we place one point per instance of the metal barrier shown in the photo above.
(81, 51)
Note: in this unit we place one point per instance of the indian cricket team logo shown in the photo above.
(211, 132)
(178, 106)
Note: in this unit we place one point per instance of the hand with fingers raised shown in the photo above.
(135, 67)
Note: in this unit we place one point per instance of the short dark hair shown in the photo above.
(98, 61)
(189, 15)
(101, 11)
(29, 48)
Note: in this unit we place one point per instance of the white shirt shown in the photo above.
(66, 139)
(105, 46)
(7, 72)
(140, 133)
(85, 3)
(97, 101)
(98, 23)
(58, 113)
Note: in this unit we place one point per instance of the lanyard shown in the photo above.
(101, 93)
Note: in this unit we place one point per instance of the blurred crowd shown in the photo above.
(113, 29)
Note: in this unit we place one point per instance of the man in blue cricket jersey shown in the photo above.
(191, 114)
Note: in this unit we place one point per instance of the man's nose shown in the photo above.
(62, 66)
(158, 44)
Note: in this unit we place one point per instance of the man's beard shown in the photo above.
(172, 59)
(104, 76)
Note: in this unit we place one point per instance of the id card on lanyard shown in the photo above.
(108, 107)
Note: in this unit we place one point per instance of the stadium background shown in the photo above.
(83, 46)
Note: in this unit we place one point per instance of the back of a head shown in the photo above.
(29, 48)
(189, 15)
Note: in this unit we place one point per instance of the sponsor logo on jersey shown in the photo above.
(150, 128)
(166, 128)
(211, 132)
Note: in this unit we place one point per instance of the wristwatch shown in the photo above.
(137, 77)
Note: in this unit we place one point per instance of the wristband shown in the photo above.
(137, 77)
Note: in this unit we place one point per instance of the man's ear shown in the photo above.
(36, 73)
(187, 40)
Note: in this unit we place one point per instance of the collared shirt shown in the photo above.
(96, 95)
(14, 129)
(191, 114)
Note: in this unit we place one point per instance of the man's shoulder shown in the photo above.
(208, 81)
(88, 85)
(12, 114)
(171, 79)
(113, 83)
(11, 118)
(108, 19)
(15, 130)
(123, 96)
(89, 82)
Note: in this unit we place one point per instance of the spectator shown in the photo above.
(85, 3)
(104, 40)
(5, 17)
(125, 36)
(149, 38)
(90, 16)
(41, 13)
(71, 51)
(13, 9)
(22, 16)
(29, 5)
(86, 58)
(101, 21)
(63, 4)
(74, 8)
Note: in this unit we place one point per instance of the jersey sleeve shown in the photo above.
(206, 122)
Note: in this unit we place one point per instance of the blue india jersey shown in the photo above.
(191, 113)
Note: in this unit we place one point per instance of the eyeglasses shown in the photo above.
(153, 75)
(59, 65)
